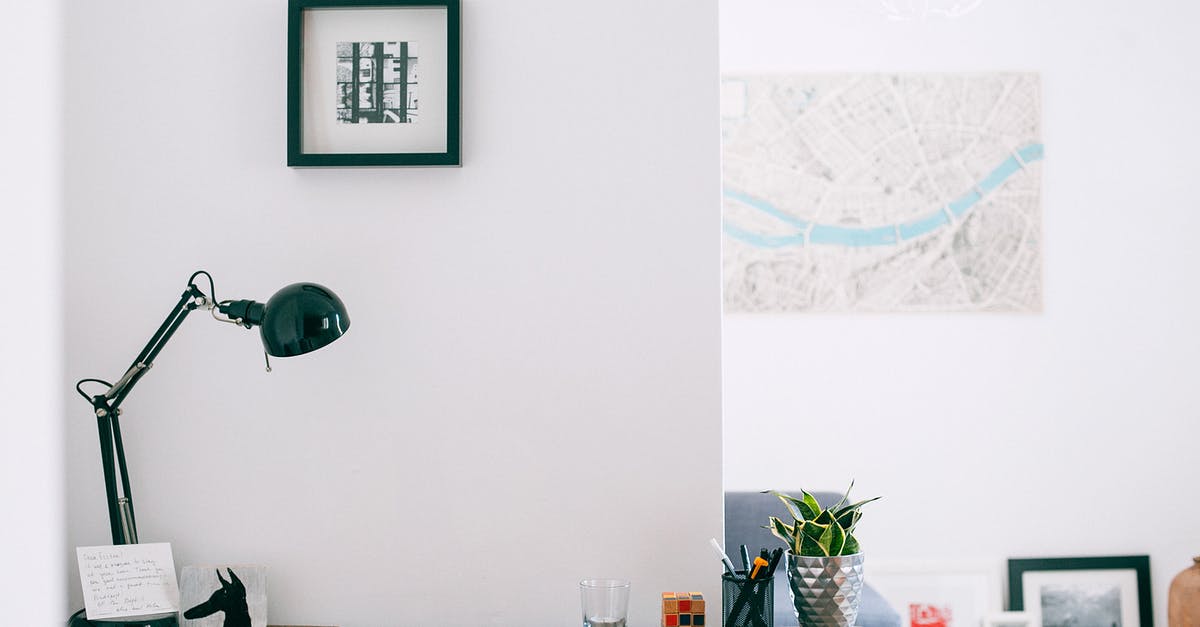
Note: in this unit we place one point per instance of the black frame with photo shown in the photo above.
(296, 156)
(1137, 563)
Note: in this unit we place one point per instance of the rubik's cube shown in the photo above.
(682, 609)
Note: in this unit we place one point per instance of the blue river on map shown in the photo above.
(877, 235)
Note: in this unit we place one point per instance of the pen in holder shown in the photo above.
(747, 602)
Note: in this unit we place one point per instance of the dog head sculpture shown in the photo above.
(229, 598)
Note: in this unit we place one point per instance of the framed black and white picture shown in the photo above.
(373, 83)
(1100, 591)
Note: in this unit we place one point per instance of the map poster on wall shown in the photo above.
(882, 192)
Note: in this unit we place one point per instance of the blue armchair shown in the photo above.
(745, 517)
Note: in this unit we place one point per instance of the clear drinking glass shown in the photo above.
(605, 602)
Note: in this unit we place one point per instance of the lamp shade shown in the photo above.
(301, 318)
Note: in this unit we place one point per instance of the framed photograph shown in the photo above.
(373, 83)
(950, 594)
(1102, 591)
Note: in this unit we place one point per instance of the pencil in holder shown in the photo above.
(747, 603)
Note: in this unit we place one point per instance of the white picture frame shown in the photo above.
(940, 593)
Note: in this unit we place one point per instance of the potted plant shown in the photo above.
(824, 559)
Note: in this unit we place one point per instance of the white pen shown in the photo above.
(724, 558)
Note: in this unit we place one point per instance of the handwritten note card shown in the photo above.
(127, 581)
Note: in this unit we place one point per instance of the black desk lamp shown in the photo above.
(298, 319)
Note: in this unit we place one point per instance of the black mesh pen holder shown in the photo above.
(747, 603)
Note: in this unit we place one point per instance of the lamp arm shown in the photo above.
(107, 409)
(310, 317)
(191, 299)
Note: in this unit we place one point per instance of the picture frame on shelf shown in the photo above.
(931, 594)
(373, 83)
(1087, 590)
(223, 594)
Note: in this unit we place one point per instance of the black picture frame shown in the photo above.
(342, 95)
(1140, 564)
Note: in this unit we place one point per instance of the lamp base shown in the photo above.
(79, 619)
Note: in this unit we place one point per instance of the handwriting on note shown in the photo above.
(127, 581)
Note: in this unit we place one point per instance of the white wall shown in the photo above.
(529, 392)
(33, 551)
(1071, 432)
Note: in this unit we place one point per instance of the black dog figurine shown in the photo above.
(229, 598)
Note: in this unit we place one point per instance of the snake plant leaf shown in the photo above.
(810, 547)
(805, 508)
(811, 501)
(845, 497)
(813, 530)
(851, 546)
(833, 539)
(816, 535)
(854, 506)
(848, 519)
(849, 515)
(825, 517)
(808, 539)
(781, 530)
